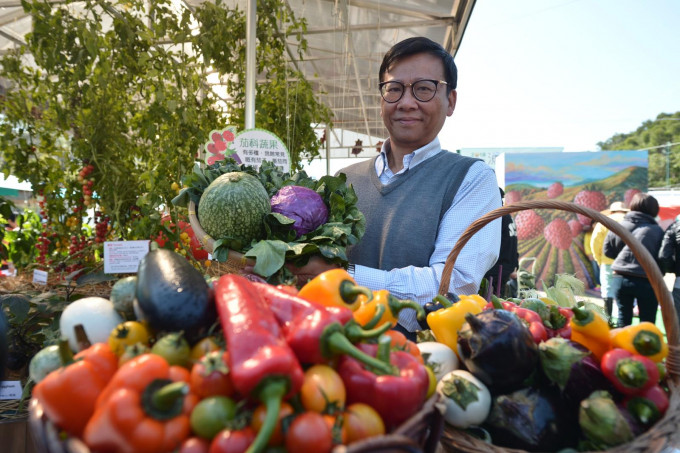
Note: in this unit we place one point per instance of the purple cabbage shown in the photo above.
(301, 204)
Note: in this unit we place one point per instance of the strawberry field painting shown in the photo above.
(592, 179)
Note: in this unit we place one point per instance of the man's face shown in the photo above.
(412, 123)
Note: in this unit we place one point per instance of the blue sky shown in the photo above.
(564, 73)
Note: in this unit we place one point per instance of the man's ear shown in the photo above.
(453, 97)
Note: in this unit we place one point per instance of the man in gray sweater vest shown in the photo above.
(416, 197)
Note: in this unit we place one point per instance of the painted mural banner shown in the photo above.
(555, 239)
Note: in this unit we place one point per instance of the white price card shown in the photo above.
(124, 256)
(40, 277)
(10, 390)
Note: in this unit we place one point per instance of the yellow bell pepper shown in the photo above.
(476, 298)
(365, 314)
(334, 288)
(446, 322)
(644, 338)
(590, 329)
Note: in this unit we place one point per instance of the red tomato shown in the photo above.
(197, 249)
(322, 390)
(232, 441)
(309, 433)
(362, 421)
(210, 375)
(260, 413)
(194, 445)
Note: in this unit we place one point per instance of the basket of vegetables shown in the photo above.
(270, 218)
(240, 366)
(573, 384)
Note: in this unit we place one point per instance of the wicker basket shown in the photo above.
(420, 433)
(235, 261)
(664, 434)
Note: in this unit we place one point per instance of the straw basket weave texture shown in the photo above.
(418, 434)
(235, 261)
(664, 434)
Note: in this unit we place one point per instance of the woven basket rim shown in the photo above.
(656, 437)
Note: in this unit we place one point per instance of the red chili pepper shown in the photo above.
(530, 318)
(262, 364)
(396, 397)
(316, 332)
(630, 373)
(648, 406)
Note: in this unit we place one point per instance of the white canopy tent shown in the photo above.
(346, 42)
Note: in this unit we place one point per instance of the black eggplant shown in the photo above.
(498, 349)
(573, 369)
(171, 294)
(531, 419)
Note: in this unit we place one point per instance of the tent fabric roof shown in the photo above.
(346, 42)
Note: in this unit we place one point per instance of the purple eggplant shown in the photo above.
(573, 369)
(531, 419)
(498, 349)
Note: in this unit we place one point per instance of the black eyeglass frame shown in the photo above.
(404, 85)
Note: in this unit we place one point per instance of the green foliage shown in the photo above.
(134, 109)
(665, 129)
(22, 241)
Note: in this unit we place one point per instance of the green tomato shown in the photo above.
(44, 362)
(174, 348)
(211, 415)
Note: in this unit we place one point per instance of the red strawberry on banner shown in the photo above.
(628, 196)
(555, 190)
(558, 234)
(529, 224)
(593, 199)
(575, 227)
(513, 196)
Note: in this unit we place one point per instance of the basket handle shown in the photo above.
(646, 260)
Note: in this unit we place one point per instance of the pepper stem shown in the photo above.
(497, 304)
(355, 332)
(65, 353)
(582, 315)
(446, 303)
(163, 399)
(334, 341)
(631, 373)
(271, 396)
(396, 305)
(349, 291)
(647, 343)
(377, 316)
(384, 345)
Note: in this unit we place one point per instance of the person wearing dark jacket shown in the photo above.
(508, 258)
(634, 282)
(669, 258)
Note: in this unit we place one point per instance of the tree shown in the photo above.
(116, 105)
(663, 136)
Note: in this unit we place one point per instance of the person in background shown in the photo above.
(587, 249)
(609, 283)
(669, 258)
(418, 198)
(634, 282)
(508, 259)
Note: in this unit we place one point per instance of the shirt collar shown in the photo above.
(410, 160)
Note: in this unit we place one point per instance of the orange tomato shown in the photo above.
(362, 422)
(322, 390)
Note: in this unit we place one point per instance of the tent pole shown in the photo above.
(251, 66)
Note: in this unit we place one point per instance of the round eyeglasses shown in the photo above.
(423, 90)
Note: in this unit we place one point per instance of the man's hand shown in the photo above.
(314, 267)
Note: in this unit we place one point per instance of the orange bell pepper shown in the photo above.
(365, 314)
(68, 395)
(335, 288)
(145, 407)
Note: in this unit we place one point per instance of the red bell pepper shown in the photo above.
(630, 373)
(315, 332)
(649, 405)
(262, 364)
(531, 319)
(396, 397)
(68, 395)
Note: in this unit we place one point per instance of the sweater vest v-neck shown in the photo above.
(402, 217)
